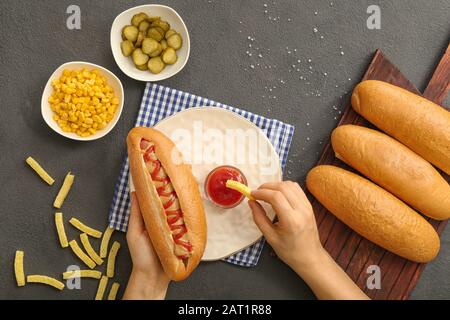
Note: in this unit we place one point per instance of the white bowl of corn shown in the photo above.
(82, 101)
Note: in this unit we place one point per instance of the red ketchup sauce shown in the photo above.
(177, 227)
(217, 191)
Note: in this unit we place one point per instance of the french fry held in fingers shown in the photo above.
(64, 191)
(113, 291)
(90, 251)
(94, 274)
(101, 288)
(105, 241)
(80, 254)
(240, 187)
(112, 259)
(45, 280)
(60, 229)
(18, 268)
(40, 171)
(84, 228)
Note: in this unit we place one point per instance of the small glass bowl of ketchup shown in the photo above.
(217, 191)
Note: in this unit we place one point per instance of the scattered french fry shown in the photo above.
(113, 291)
(101, 288)
(105, 242)
(80, 254)
(18, 268)
(64, 191)
(112, 259)
(39, 170)
(84, 228)
(46, 280)
(60, 229)
(240, 187)
(95, 274)
(90, 251)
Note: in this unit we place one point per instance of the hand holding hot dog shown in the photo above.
(148, 279)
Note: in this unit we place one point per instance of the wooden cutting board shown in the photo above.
(352, 252)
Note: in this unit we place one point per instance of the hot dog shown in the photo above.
(169, 199)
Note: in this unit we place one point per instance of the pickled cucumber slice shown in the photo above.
(157, 52)
(169, 56)
(170, 33)
(138, 18)
(139, 58)
(156, 65)
(162, 24)
(154, 18)
(149, 46)
(144, 25)
(140, 38)
(160, 30)
(175, 41)
(164, 44)
(143, 67)
(127, 48)
(154, 34)
(130, 33)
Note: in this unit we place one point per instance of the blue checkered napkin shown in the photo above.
(160, 102)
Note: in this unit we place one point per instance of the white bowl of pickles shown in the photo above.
(150, 42)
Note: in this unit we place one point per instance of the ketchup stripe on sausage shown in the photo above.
(174, 217)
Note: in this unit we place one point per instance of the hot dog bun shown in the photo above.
(418, 123)
(374, 213)
(394, 167)
(151, 206)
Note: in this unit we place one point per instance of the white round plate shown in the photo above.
(126, 64)
(205, 138)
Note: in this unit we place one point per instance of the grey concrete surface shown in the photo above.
(35, 41)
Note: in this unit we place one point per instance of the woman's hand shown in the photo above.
(294, 237)
(148, 279)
